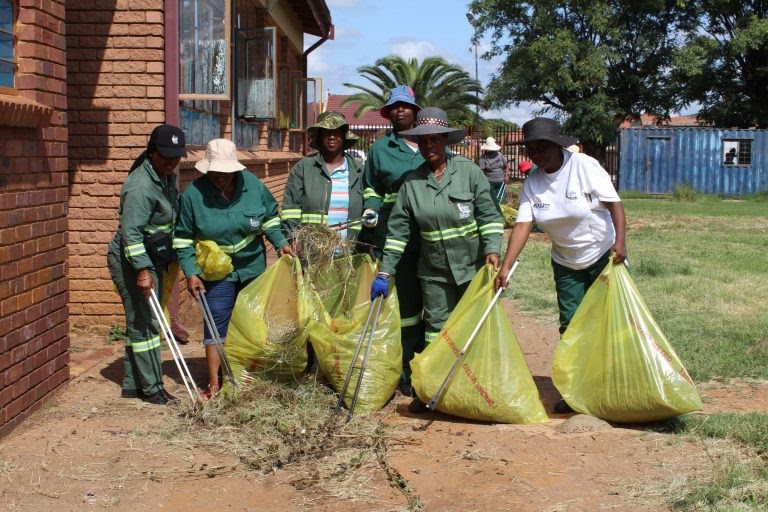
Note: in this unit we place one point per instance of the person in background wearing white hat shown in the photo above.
(139, 253)
(571, 197)
(495, 167)
(232, 207)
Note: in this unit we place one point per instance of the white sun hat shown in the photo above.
(220, 156)
(489, 145)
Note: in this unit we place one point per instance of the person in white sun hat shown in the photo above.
(232, 207)
(495, 167)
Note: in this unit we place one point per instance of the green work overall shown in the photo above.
(389, 161)
(148, 204)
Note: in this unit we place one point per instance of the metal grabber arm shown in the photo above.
(432, 404)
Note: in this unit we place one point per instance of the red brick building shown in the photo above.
(87, 82)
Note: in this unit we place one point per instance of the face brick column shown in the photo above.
(115, 74)
(34, 340)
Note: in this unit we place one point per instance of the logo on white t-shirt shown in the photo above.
(541, 206)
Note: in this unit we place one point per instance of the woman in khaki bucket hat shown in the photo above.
(326, 188)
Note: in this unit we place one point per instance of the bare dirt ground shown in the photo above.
(88, 449)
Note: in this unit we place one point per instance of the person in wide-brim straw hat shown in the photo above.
(572, 199)
(233, 208)
(447, 204)
(431, 121)
(331, 120)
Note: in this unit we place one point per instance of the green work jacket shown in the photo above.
(308, 194)
(455, 219)
(389, 161)
(148, 204)
(238, 225)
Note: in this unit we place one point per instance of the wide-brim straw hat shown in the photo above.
(399, 94)
(544, 128)
(432, 120)
(489, 145)
(331, 120)
(220, 156)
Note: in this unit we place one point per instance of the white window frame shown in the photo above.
(196, 8)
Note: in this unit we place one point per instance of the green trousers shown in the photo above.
(409, 298)
(142, 365)
(571, 286)
(440, 299)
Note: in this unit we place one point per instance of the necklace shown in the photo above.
(439, 173)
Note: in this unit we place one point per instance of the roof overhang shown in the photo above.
(315, 17)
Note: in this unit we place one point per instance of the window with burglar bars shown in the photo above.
(737, 152)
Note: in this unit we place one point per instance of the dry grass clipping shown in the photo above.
(270, 426)
(327, 260)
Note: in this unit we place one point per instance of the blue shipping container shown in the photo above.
(655, 160)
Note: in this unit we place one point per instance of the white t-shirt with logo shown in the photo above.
(566, 205)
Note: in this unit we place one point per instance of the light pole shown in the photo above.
(471, 19)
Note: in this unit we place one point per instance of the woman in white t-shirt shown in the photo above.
(571, 198)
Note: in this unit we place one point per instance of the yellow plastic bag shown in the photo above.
(342, 299)
(493, 382)
(214, 263)
(267, 335)
(614, 363)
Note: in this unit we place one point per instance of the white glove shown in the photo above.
(370, 218)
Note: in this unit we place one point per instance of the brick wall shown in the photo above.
(115, 74)
(34, 339)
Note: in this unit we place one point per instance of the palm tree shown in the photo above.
(435, 82)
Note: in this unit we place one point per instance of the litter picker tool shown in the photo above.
(353, 363)
(208, 318)
(349, 222)
(432, 404)
(502, 193)
(165, 328)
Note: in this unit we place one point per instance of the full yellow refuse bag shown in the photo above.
(267, 336)
(493, 382)
(342, 298)
(614, 363)
(214, 263)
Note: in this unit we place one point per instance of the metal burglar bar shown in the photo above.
(504, 136)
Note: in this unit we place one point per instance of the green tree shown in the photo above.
(724, 63)
(590, 64)
(434, 81)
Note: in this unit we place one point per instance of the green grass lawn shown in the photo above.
(702, 269)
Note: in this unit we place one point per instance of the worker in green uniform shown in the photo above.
(232, 207)
(326, 188)
(447, 203)
(138, 254)
(391, 158)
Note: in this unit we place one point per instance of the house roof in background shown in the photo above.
(646, 120)
(370, 118)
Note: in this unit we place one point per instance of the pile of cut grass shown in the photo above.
(269, 426)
